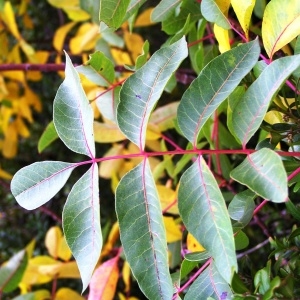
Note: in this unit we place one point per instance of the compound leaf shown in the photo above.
(73, 115)
(204, 213)
(36, 184)
(213, 85)
(81, 223)
(141, 91)
(263, 172)
(142, 232)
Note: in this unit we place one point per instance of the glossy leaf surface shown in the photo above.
(213, 85)
(141, 91)
(204, 213)
(81, 223)
(209, 284)
(73, 115)
(37, 183)
(112, 12)
(263, 172)
(248, 114)
(281, 24)
(142, 232)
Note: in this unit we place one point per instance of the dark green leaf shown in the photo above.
(263, 173)
(204, 213)
(141, 91)
(248, 114)
(213, 85)
(142, 232)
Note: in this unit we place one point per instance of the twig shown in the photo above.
(258, 246)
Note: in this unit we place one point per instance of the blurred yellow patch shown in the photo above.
(144, 19)
(173, 231)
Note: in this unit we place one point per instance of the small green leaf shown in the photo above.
(112, 12)
(142, 232)
(213, 85)
(141, 91)
(48, 136)
(36, 184)
(142, 59)
(263, 172)
(241, 240)
(248, 114)
(73, 115)
(204, 213)
(11, 273)
(81, 223)
(241, 207)
(210, 283)
(99, 69)
(212, 13)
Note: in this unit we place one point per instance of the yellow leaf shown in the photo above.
(126, 274)
(173, 231)
(153, 132)
(41, 57)
(273, 117)
(144, 19)
(4, 174)
(134, 44)
(8, 17)
(122, 297)
(29, 51)
(56, 244)
(67, 294)
(281, 24)
(10, 142)
(243, 10)
(60, 35)
(72, 9)
(33, 274)
(104, 280)
(33, 100)
(52, 238)
(85, 38)
(22, 129)
(193, 245)
(108, 167)
(121, 57)
(30, 248)
(107, 133)
(28, 23)
(222, 36)
(167, 198)
(113, 236)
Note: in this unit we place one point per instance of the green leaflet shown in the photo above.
(99, 69)
(81, 223)
(263, 172)
(92, 7)
(213, 85)
(252, 107)
(12, 272)
(241, 208)
(204, 213)
(209, 284)
(73, 115)
(36, 184)
(142, 232)
(212, 13)
(112, 12)
(164, 10)
(49, 135)
(141, 91)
